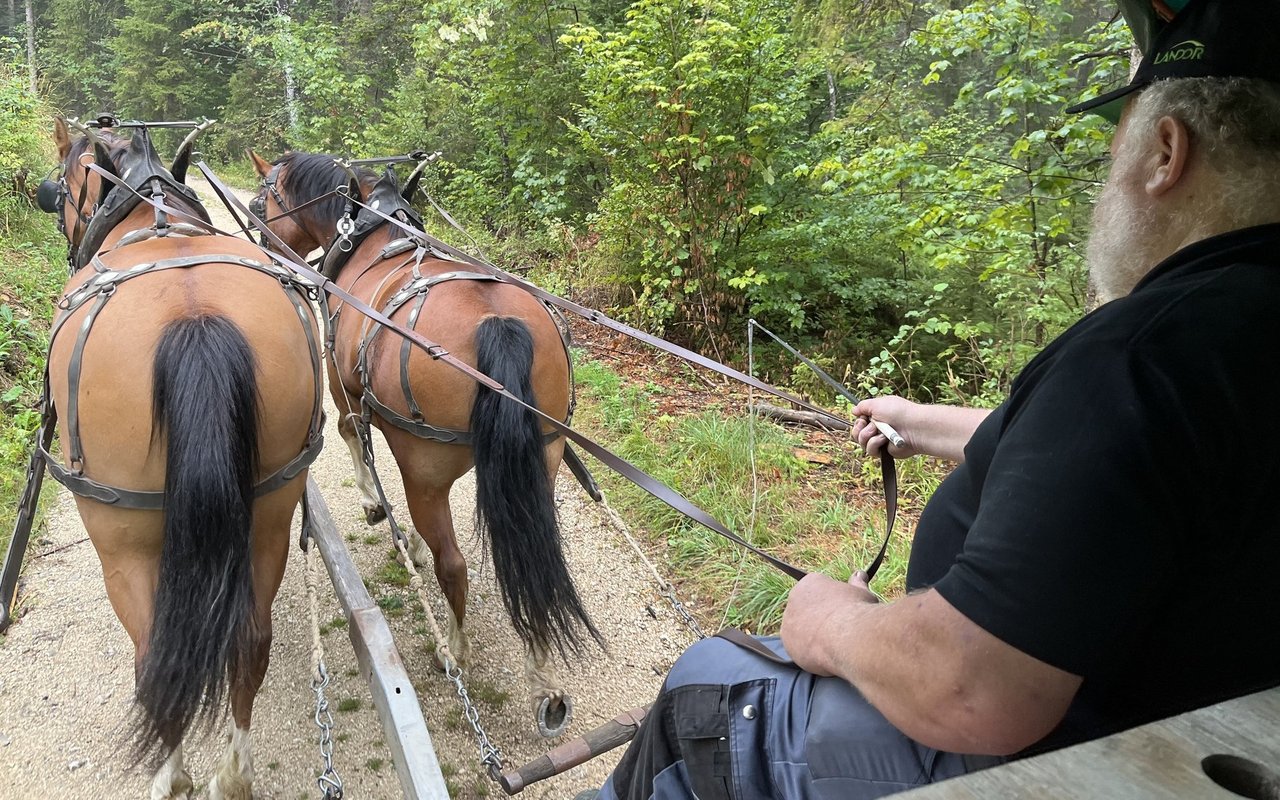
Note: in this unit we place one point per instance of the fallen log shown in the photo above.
(800, 417)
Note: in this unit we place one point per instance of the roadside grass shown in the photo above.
(827, 518)
(31, 276)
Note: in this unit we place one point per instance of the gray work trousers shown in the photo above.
(731, 725)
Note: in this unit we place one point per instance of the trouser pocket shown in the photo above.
(702, 728)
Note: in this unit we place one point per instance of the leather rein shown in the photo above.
(436, 351)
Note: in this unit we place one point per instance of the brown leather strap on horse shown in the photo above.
(436, 351)
(664, 493)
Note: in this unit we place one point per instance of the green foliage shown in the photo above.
(24, 146)
(77, 45)
(990, 186)
(159, 71)
(692, 108)
(31, 274)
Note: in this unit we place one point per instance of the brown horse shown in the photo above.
(437, 421)
(186, 383)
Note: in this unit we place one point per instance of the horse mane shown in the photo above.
(310, 175)
(116, 145)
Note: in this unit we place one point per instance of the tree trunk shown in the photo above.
(31, 44)
(290, 86)
(831, 95)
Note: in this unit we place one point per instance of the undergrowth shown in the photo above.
(821, 518)
(31, 276)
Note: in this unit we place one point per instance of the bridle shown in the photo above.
(52, 196)
(258, 205)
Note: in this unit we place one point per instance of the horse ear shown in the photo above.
(180, 163)
(259, 163)
(102, 157)
(61, 137)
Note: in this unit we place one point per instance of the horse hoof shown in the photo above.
(554, 717)
(374, 515)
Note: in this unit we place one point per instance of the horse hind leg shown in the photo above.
(433, 523)
(171, 781)
(373, 509)
(234, 778)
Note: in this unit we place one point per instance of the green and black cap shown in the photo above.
(1196, 39)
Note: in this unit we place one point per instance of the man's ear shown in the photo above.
(1168, 161)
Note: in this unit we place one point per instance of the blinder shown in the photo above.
(258, 205)
(50, 196)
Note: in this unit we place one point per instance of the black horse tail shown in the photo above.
(515, 506)
(205, 399)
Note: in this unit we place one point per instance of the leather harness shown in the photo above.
(101, 287)
(414, 291)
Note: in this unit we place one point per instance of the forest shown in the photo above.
(892, 185)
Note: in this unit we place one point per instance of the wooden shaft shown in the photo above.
(617, 731)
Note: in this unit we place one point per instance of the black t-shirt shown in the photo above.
(1114, 517)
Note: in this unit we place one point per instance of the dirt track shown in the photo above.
(66, 666)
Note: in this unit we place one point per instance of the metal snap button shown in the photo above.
(749, 712)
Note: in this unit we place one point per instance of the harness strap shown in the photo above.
(73, 382)
(83, 486)
(143, 234)
(100, 289)
(414, 410)
(753, 644)
(642, 479)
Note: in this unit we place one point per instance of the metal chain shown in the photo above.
(664, 586)
(490, 755)
(329, 782)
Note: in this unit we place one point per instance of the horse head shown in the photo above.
(77, 191)
(300, 196)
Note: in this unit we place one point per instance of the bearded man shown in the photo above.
(1104, 555)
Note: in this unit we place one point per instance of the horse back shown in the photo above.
(450, 315)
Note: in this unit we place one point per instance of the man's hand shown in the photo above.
(941, 431)
(817, 603)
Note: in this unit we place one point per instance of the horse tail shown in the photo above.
(205, 399)
(515, 506)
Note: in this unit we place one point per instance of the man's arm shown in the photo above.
(940, 431)
(936, 676)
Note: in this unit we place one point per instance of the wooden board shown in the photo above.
(1157, 760)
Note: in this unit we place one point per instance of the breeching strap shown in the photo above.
(438, 352)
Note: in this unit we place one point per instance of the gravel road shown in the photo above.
(66, 666)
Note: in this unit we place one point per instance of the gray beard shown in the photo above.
(1126, 239)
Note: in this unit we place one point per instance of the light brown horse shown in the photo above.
(437, 421)
(186, 385)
